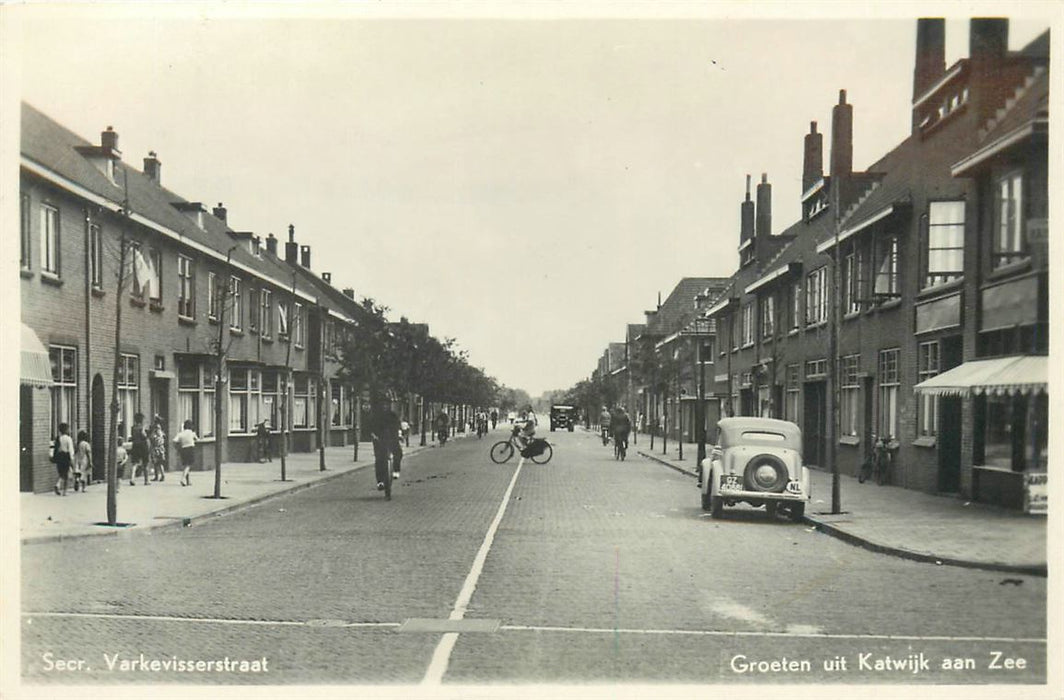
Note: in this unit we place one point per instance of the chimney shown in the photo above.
(271, 245)
(327, 276)
(153, 168)
(291, 248)
(220, 213)
(304, 256)
(813, 163)
(349, 293)
(746, 216)
(988, 46)
(764, 209)
(842, 137)
(930, 62)
(109, 140)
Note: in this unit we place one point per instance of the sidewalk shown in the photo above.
(45, 517)
(907, 523)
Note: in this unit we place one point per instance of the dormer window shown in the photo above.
(193, 210)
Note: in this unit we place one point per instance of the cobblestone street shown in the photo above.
(599, 571)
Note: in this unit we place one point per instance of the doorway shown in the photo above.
(949, 444)
(25, 438)
(814, 445)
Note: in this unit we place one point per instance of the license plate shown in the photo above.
(731, 482)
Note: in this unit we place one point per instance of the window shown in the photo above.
(95, 256)
(265, 319)
(888, 393)
(238, 309)
(849, 395)
(128, 389)
(271, 400)
(195, 395)
(748, 324)
(851, 282)
(212, 296)
(1015, 431)
(155, 265)
(24, 226)
(64, 387)
(303, 402)
(253, 310)
(816, 298)
(790, 408)
(145, 273)
(816, 369)
(796, 305)
(186, 288)
(927, 405)
(50, 240)
(1009, 243)
(298, 324)
(733, 330)
(887, 273)
(768, 316)
(282, 319)
(244, 393)
(945, 243)
(337, 405)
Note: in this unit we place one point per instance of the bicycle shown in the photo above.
(538, 449)
(620, 447)
(605, 435)
(877, 463)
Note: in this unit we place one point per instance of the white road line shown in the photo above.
(546, 628)
(214, 620)
(442, 656)
(797, 635)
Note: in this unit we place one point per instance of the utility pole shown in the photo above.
(833, 354)
(219, 361)
(283, 412)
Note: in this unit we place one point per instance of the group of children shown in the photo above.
(141, 450)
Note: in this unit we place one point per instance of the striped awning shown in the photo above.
(36, 367)
(1022, 374)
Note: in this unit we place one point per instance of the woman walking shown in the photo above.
(157, 444)
(62, 455)
(138, 452)
(82, 462)
(186, 443)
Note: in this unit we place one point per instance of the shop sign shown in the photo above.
(1036, 493)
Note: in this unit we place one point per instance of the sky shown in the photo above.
(524, 184)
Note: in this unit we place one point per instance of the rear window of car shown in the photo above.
(762, 435)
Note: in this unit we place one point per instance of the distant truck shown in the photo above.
(562, 416)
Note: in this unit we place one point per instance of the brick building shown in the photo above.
(193, 282)
(933, 260)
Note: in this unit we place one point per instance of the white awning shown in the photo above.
(1023, 374)
(36, 365)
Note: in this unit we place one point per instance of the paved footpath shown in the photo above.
(48, 517)
(908, 523)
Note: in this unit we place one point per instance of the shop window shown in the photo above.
(1015, 432)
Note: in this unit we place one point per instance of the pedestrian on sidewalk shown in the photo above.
(186, 443)
(121, 460)
(138, 453)
(82, 461)
(157, 455)
(62, 455)
(262, 442)
(404, 431)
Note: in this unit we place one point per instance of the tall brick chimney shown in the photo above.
(291, 248)
(153, 168)
(271, 244)
(763, 228)
(746, 217)
(304, 256)
(813, 162)
(988, 47)
(220, 213)
(109, 140)
(841, 137)
(930, 64)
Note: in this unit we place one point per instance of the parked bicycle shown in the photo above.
(537, 449)
(877, 463)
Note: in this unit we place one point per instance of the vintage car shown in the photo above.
(562, 417)
(759, 461)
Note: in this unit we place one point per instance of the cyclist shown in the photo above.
(604, 424)
(443, 425)
(621, 426)
(384, 431)
(525, 428)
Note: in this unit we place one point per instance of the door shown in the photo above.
(97, 429)
(949, 444)
(25, 438)
(814, 414)
(160, 406)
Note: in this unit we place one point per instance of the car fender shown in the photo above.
(807, 484)
(712, 476)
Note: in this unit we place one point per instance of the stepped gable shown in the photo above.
(1029, 103)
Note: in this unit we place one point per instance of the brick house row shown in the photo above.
(937, 258)
(195, 281)
(934, 262)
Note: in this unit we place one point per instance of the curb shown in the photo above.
(900, 552)
(192, 520)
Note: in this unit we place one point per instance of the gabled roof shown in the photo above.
(679, 307)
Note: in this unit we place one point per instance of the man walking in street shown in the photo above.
(384, 430)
